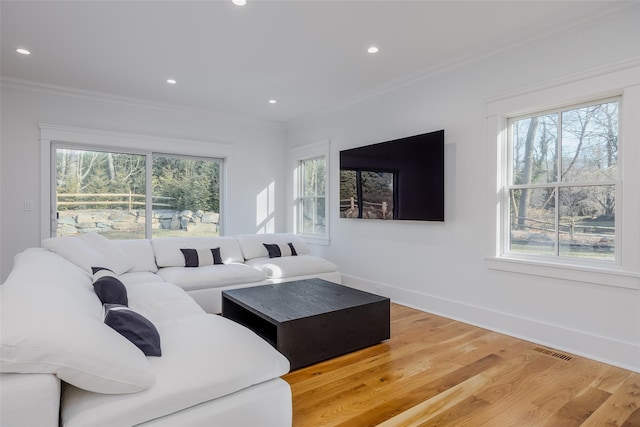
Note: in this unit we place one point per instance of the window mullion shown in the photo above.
(557, 215)
(148, 205)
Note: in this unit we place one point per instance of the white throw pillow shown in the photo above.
(140, 252)
(90, 250)
(168, 253)
(74, 250)
(52, 324)
(252, 245)
(115, 258)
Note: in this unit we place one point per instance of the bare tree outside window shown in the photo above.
(562, 188)
(312, 197)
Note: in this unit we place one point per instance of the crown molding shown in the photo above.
(490, 53)
(582, 75)
(123, 101)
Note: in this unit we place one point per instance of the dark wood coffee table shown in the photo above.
(310, 320)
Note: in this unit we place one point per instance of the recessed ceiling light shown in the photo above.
(373, 49)
(272, 101)
(171, 81)
(23, 51)
(239, 2)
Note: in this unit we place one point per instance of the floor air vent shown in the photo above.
(552, 353)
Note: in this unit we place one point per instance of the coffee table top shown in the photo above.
(288, 301)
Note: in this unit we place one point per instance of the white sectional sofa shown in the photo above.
(62, 365)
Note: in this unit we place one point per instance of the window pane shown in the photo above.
(532, 221)
(590, 143)
(587, 222)
(321, 177)
(534, 150)
(313, 215)
(377, 195)
(186, 196)
(313, 177)
(348, 194)
(100, 191)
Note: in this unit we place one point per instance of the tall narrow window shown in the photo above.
(312, 197)
(561, 189)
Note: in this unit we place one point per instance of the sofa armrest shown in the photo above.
(29, 400)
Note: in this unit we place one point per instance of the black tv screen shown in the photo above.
(402, 179)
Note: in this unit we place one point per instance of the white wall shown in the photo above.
(256, 162)
(441, 267)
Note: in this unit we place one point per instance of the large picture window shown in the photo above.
(560, 197)
(108, 192)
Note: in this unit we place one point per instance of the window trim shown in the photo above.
(316, 150)
(52, 136)
(618, 80)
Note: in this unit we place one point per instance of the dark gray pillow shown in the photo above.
(134, 327)
(109, 289)
(201, 257)
(276, 250)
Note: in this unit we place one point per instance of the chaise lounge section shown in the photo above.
(62, 365)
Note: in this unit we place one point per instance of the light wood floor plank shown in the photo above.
(621, 409)
(439, 372)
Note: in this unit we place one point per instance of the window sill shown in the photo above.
(600, 276)
(314, 240)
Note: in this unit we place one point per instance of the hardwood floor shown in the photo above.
(439, 372)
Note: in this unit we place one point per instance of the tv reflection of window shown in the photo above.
(377, 194)
(367, 194)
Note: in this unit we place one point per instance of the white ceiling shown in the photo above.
(309, 55)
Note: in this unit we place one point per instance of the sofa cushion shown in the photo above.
(168, 254)
(134, 327)
(52, 323)
(252, 245)
(204, 357)
(282, 267)
(29, 400)
(140, 252)
(108, 288)
(90, 250)
(212, 276)
(158, 301)
(139, 277)
(201, 257)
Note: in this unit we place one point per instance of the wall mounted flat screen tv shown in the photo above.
(402, 179)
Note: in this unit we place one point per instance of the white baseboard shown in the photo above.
(614, 352)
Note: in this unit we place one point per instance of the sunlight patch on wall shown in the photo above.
(265, 209)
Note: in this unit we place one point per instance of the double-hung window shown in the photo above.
(310, 190)
(312, 196)
(559, 198)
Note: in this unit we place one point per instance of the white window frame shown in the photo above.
(297, 155)
(507, 185)
(620, 80)
(91, 139)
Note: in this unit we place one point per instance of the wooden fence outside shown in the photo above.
(571, 228)
(352, 202)
(130, 200)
